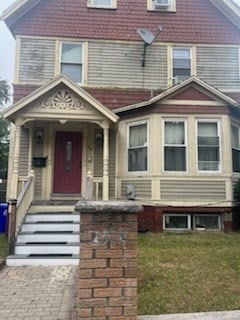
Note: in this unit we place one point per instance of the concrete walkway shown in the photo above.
(37, 293)
(227, 315)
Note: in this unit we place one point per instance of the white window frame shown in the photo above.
(113, 5)
(217, 121)
(82, 63)
(133, 124)
(189, 227)
(233, 125)
(207, 215)
(174, 79)
(170, 8)
(182, 145)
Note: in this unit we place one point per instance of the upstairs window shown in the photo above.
(110, 4)
(71, 61)
(174, 146)
(235, 149)
(137, 147)
(208, 142)
(181, 64)
(161, 5)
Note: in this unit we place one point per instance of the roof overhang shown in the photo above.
(11, 111)
(17, 10)
(173, 90)
(230, 9)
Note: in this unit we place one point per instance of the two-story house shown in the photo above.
(126, 98)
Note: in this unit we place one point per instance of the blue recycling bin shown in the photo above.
(3, 217)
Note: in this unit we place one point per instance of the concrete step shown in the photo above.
(28, 249)
(48, 237)
(51, 208)
(49, 226)
(48, 217)
(42, 260)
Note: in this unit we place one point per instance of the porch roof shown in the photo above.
(178, 88)
(11, 111)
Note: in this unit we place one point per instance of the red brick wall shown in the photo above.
(151, 219)
(195, 21)
(107, 285)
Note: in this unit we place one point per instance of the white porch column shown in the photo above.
(106, 162)
(15, 173)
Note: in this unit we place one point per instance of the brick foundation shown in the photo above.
(151, 219)
(107, 285)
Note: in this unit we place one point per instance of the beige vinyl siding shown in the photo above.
(120, 65)
(23, 154)
(192, 190)
(219, 66)
(143, 188)
(37, 60)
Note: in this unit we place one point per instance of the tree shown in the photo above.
(4, 125)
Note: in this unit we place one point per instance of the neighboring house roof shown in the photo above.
(177, 88)
(61, 79)
(14, 12)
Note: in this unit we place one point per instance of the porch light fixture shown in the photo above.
(38, 137)
(99, 137)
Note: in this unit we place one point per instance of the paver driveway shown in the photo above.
(37, 293)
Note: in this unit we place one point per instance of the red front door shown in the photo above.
(67, 165)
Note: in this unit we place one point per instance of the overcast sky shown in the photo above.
(7, 45)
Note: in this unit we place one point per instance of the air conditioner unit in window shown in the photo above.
(161, 4)
(179, 79)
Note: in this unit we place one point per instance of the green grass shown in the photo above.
(188, 272)
(3, 246)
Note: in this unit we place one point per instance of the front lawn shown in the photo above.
(3, 246)
(188, 272)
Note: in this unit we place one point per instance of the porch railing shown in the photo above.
(94, 187)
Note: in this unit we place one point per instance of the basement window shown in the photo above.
(177, 222)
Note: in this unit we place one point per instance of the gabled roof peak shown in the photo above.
(177, 88)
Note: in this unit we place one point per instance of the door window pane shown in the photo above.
(68, 156)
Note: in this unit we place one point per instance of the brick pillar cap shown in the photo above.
(108, 206)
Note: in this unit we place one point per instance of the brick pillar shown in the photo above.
(107, 285)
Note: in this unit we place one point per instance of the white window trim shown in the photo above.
(133, 124)
(185, 144)
(192, 51)
(83, 57)
(220, 145)
(205, 215)
(113, 5)
(171, 8)
(177, 215)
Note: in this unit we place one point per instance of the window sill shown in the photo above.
(101, 7)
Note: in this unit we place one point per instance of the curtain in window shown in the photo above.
(208, 146)
(137, 152)
(174, 151)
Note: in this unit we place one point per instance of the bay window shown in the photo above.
(137, 146)
(235, 149)
(208, 146)
(174, 146)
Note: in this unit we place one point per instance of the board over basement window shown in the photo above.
(106, 4)
(138, 146)
(195, 221)
(174, 145)
(208, 145)
(161, 5)
(71, 61)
